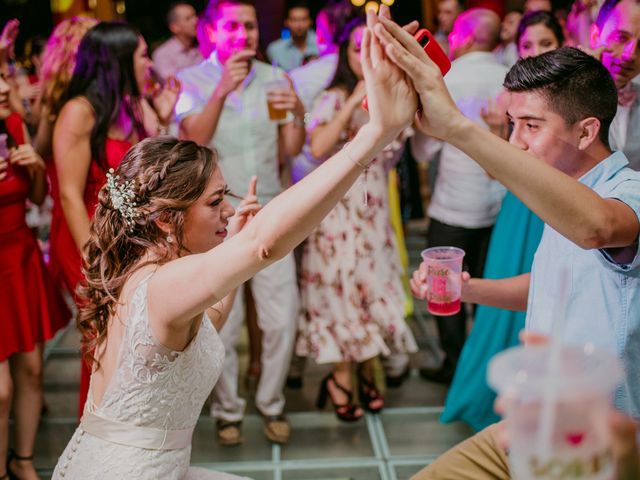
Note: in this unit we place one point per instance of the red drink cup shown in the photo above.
(444, 279)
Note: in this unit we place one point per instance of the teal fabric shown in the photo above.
(515, 239)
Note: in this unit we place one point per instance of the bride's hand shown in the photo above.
(440, 116)
(246, 210)
(392, 100)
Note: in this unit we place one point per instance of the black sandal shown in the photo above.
(346, 411)
(369, 393)
(14, 456)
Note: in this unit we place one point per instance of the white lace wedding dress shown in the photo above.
(142, 429)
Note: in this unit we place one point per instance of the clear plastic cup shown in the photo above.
(444, 280)
(274, 86)
(579, 444)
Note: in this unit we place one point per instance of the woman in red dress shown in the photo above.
(32, 309)
(104, 114)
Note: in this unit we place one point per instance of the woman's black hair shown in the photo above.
(344, 77)
(547, 19)
(104, 75)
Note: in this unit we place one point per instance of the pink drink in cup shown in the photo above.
(579, 443)
(444, 281)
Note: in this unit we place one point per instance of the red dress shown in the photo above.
(65, 262)
(32, 308)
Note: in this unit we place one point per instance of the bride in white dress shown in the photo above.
(157, 261)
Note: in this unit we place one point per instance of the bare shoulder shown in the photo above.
(77, 115)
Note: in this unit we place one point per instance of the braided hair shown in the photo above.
(168, 176)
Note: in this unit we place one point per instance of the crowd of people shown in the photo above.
(175, 188)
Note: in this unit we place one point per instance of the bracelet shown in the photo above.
(357, 162)
(364, 179)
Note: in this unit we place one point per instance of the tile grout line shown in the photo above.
(276, 452)
(373, 427)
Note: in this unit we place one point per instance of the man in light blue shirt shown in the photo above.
(590, 202)
(300, 47)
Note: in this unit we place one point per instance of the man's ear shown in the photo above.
(210, 31)
(589, 131)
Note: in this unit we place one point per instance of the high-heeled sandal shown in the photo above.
(14, 456)
(346, 411)
(369, 393)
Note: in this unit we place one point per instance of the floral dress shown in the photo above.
(351, 275)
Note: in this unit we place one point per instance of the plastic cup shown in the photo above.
(444, 281)
(579, 444)
(275, 86)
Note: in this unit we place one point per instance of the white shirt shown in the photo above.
(464, 195)
(507, 54)
(310, 81)
(245, 139)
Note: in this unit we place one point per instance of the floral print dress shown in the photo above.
(351, 275)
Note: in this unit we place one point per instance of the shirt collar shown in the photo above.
(310, 41)
(604, 170)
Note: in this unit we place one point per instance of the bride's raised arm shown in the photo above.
(184, 288)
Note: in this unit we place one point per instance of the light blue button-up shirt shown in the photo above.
(288, 56)
(603, 305)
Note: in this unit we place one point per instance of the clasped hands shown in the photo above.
(24, 156)
(403, 84)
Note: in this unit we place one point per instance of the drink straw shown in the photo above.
(548, 414)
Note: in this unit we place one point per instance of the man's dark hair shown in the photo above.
(171, 12)
(541, 17)
(575, 85)
(296, 4)
(604, 12)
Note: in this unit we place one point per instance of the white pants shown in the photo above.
(277, 303)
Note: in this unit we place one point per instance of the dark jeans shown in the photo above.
(474, 241)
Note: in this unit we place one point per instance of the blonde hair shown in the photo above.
(59, 60)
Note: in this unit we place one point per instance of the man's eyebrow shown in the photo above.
(527, 117)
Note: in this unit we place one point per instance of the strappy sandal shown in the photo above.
(369, 393)
(347, 412)
(14, 456)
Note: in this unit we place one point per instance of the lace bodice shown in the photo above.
(154, 390)
(154, 386)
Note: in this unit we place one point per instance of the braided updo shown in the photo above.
(168, 176)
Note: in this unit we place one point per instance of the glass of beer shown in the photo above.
(276, 85)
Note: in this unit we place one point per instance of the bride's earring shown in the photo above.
(169, 239)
